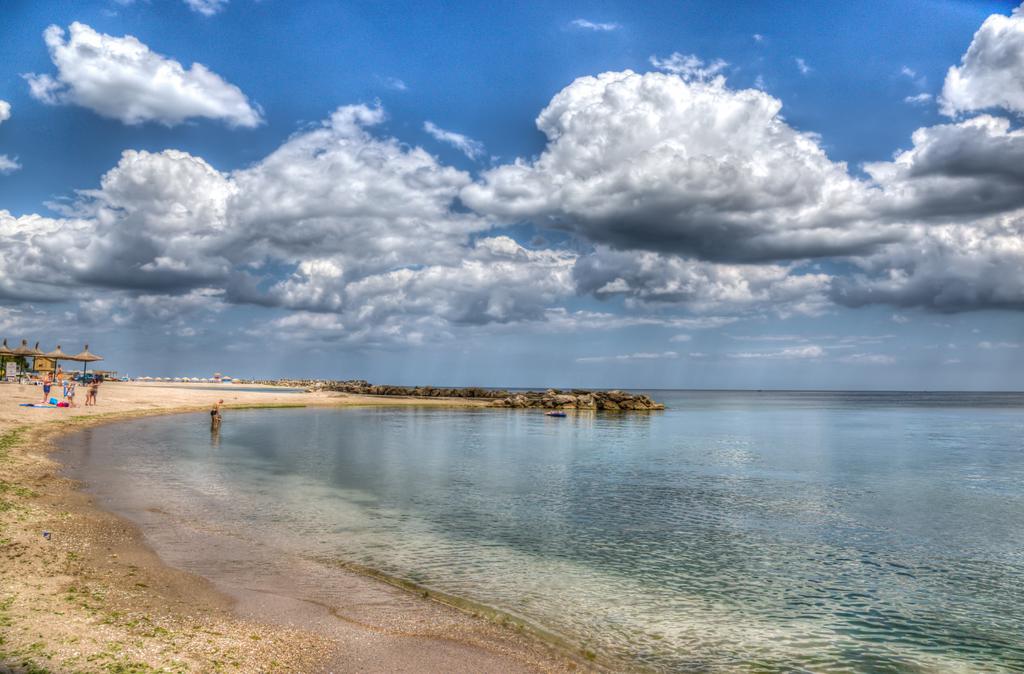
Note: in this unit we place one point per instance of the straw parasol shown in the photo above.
(23, 351)
(57, 355)
(4, 352)
(85, 357)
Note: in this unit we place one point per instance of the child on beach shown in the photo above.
(69, 394)
(47, 382)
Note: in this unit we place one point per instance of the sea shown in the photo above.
(758, 531)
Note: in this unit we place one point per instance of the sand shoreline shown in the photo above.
(96, 596)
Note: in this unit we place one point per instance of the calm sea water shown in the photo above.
(824, 532)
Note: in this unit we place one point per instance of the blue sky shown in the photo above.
(426, 193)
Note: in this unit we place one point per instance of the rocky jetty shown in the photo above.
(575, 399)
(580, 400)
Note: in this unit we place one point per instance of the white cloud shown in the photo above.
(758, 37)
(868, 359)
(595, 26)
(629, 357)
(681, 338)
(999, 345)
(394, 83)
(957, 172)
(991, 72)
(473, 149)
(121, 78)
(7, 164)
(206, 7)
(918, 99)
(900, 319)
(658, 163)
(689, 66)
(802, 66)
(947, 268)
(703, 287)
(768, 338)
(809, 352)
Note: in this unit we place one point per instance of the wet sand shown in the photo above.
(103, 592)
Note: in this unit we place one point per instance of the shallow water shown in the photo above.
(825, 532)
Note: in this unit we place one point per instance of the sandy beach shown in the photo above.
(94, 596)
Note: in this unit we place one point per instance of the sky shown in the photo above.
(679, 194)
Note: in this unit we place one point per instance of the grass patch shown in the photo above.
(9, 440)
(16, 490)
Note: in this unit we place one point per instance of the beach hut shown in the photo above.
(85, 357)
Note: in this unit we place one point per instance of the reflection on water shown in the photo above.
(767, 532)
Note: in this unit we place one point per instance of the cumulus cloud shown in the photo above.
(954, 171)
(5, 111)
(595, 26)
(948, 268)
(918, 99)
(473, 149)
(802, 66)
(657, 279)
(180, 314)
(121, 78)
(368, 204)
(655, 162)
(335, 221)
(991, 72)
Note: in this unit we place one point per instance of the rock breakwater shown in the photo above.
(579, 399)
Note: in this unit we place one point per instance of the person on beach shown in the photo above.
(90, 395)
(215, 417)
(47, 383)
(69, 395)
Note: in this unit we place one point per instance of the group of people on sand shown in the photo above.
(68, 386)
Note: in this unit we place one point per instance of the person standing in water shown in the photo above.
(215, 418)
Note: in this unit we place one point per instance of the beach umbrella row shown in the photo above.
(25, 351)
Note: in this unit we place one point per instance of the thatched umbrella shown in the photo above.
(4, 352)
(23, 351)
(57, 355)
(85, 357)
